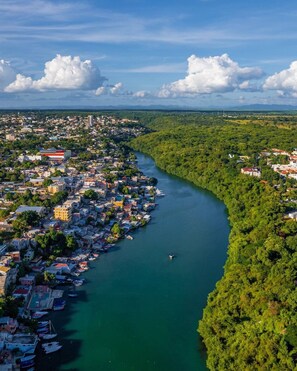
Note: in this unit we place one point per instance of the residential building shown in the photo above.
(55, 154)
(40, 210)
(252, 171)
(27, 280)
(22, 292)
(29, 255)
(10, 137)
(7, 277)
(8, 324)
(23, 158)
(63, 213)
(56, 187)
(37, 182)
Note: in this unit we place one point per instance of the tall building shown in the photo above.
(62, 213)
(90, 121)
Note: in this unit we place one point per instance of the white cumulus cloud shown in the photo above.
(100, 91)
(208, 75)
(61, 73)
(116, 89)
(141, 94)
(7, 74)
(285, 82)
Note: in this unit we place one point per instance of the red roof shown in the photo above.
(21, 291)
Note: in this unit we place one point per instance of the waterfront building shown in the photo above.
(22, 292)
(27, 280)
(23, 342)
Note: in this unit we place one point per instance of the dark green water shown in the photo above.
(139, 311)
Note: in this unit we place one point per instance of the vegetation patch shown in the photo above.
(250, 319)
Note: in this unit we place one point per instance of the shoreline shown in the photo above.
(142, 294)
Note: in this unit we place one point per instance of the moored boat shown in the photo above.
(52, 349)
(26, 364)
(42, 330)
(72, 294)
(28, 358)
(47, 336)
(50, 344)
(59, 304)
(78, 282)
(159, 193)
(39, 314)
(52, 333)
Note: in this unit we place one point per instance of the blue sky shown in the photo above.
(198, 53)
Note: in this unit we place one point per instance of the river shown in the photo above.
(139, 311)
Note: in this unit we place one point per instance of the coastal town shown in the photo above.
(69, 190)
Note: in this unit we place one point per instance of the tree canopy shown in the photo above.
(250, 319)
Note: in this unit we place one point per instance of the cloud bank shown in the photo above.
(7, 74)
(205, 76)
(208, 75)
(285, 82)
(61, 73)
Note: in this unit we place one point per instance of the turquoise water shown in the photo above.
(138, 310)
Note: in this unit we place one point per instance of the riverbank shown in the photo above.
(138, 310)
(247, 317)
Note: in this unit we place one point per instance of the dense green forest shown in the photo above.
(250, 321)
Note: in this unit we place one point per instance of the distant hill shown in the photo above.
(165, 108)
(264, 107)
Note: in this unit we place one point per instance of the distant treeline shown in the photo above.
(250, 321)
